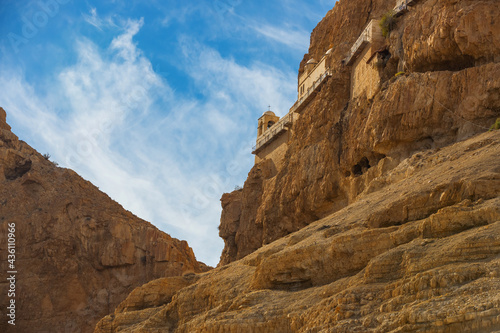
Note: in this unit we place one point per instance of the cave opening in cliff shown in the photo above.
(20, 168)
(361, 167)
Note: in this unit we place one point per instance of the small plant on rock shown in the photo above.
(496, 125)
(47, 157)
(387, 23)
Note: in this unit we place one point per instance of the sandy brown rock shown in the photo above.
(450, 35)
(385, 216)
(3, 120)
(144, 302)
(238, 227)
(451, 91)
(78, 253)
(420, 254)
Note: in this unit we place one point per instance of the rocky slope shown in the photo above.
(422, 254)
(450, 51)
(78, 253)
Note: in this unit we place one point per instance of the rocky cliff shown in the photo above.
(385, 216)
(420, 255)
(450, 53)
(78, 253)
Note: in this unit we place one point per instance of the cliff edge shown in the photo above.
(77, 252)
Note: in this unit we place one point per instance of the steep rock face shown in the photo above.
(450, 92)
(449, 35)
(238, 227)
(78, 253)
(419, 251)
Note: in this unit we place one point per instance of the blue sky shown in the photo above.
(155, 102)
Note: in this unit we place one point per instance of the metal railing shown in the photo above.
(402, 7)
(311, 89)
(269, 134)
(358, 46)
(287, 120)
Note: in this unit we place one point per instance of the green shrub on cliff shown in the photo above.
(496, 125)
(387, 23)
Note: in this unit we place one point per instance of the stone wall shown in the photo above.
(275, 151)
(365, 77)
(307, 79)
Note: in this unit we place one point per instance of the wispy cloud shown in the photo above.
(180, 13)
(294, 38)
(93, 19)
(234, 86)
(165, 157)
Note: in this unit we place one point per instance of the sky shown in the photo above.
(154, 102)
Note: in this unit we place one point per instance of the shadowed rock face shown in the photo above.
(450, 51)
(78, 253)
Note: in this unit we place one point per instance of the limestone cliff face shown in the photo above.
(420, 255)
(451, 90)
(385, 215)
(78, 253)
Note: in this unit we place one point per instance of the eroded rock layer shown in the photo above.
(78, 253)
(422, 254)
(385, 214)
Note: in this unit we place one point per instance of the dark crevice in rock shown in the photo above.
(20, 169)
(455, 65)
(362, 166)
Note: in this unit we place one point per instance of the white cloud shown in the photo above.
(179, 14)
(234, 86)
(294, 38)
(93, 19)
(166, 158)
(124, 44)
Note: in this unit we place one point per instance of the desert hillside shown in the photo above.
(378, 210)
(77, 252)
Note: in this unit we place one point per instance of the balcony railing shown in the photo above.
(310, 93)
(273, 132)
(402, 7)
(358, 47)
(286, 121)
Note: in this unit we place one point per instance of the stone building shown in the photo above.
(273, 132)
(364, 57)
(273, 135)
(314, 75)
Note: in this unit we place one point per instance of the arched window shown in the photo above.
(269, 124)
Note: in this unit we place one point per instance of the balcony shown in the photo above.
(402, 7)
(273, 132)
(372, 34)
(301, 103)
(357, 48)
